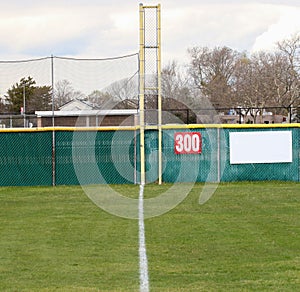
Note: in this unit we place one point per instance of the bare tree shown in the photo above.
(124, 89)
(212, 71)
(254, 88)
(287, 73)
(229, 79)
(268, 79)
(98, 97)
(64, 92)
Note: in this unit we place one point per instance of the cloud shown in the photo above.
(111, 27)
(287, 24)
(121, 37)
(231, 25)
(44, 29)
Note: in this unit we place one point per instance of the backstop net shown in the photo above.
(51, 83)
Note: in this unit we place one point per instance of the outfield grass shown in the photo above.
(245, 238)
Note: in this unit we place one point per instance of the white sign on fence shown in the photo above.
(260, 147)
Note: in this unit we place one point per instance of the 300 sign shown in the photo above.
(187, 143)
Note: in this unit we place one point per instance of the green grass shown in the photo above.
(245, 238)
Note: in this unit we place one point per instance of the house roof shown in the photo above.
(77, 104)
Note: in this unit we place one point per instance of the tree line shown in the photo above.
(231, 79)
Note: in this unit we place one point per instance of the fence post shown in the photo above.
(218, 156)
(53, 124)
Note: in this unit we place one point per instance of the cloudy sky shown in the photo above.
(105, 28)
(108, 28)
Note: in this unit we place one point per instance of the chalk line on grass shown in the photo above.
(144, 278)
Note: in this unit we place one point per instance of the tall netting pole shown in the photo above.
(150, 80)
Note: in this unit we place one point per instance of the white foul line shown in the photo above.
(144, 278)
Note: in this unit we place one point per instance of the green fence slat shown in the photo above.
(98, 156)
(25, 158)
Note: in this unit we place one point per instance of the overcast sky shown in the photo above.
(109, 28)
(105, 28)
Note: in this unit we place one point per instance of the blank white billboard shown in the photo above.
(260, 147)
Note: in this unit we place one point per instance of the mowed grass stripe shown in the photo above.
(245, 238)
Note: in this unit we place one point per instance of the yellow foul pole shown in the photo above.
(149, 48)
(159, 95)
(142, 93)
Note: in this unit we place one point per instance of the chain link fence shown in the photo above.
(111, 156)
(267, 115)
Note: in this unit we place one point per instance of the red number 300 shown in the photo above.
(187, 143)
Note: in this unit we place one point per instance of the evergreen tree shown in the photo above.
(35, 97)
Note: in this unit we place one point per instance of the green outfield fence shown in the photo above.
(71, 156)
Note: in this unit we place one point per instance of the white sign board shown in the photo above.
(260, 147)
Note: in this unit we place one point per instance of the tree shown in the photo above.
(41, 99)
(120, 94)
(269, 79)
(212, 70)
(287, 73)
(34, 97)
(64, 92)
(177, 94)
(126, 88)
(99, 98)
(254, 88)
(176, 85)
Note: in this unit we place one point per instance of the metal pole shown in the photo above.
(142, 94)
(218, 155)
(134, 161)
(159, 95)
(52, 85)
(53, 124)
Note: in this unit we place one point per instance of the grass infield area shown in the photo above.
(245, 238)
